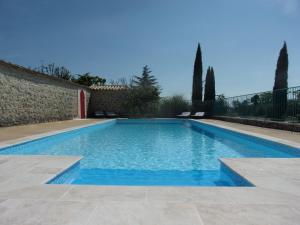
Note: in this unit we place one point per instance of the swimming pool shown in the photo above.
(152, 152)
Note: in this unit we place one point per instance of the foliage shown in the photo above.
(172, 106)
(221, 106)
(293, 110)
(258, 105)
(209, 94)
(88, 80)
(280, 84)
(255, 99)
(56, 71)
(143, 94)
(242, 108)
(146, 80)
(142, 100)
(197, 80)
(266, 97)
(121, 81)
(61, 72)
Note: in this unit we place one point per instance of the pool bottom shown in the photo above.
(223, 177)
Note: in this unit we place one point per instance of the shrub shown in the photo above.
(172, 106)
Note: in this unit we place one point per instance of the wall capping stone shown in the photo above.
(36, 73)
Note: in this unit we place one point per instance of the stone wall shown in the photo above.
(30, 97)
(108, 100)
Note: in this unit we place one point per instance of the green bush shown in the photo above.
(221, 107)
(142, 101)
(143, 95)
(172, 106)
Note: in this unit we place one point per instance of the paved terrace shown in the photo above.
(15, 134)
(25, 199)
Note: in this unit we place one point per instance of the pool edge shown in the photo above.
(27, 139)
(251, 134)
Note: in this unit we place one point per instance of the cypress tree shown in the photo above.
(209, 94)
(281, 84)
(197, 80)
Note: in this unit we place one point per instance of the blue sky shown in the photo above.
(240, 39)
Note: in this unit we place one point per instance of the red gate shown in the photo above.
(82, 104)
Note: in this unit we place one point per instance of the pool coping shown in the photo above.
(224, 161)
(22, 140)
(202, 203)
(12, 142)
(262, 136)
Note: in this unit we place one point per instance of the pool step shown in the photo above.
(153, 178)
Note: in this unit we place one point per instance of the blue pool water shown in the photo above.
(152, 152)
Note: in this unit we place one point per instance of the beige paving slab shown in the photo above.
(280, 134)
(41, 212)
(42, 192)
(120, 213)
(278, 184)
(15, 132)
(261, 167)
(221, 195)
(37, 133)
(255, 195)
(23, 181)
(16, 165)
(105, 193)
(21, 172)
(274, 174)
(252, 214)
(187, 194)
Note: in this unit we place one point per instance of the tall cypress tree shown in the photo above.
(209, 93)
(197, 80)
(281, 84)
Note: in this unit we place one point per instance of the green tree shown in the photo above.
(197, 80)
(172, 106)
(264, 108)
(87, 79)
(221, 106)
(265, 97)
(281, 84)
(209, 92)
(143, 94)
(255, 100)
(146, 80)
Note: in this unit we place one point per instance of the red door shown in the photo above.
(82, 104)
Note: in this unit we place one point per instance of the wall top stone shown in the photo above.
(39, 74)
(109, 87)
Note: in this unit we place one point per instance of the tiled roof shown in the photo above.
(108, 87)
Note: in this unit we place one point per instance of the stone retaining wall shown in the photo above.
(30, 97)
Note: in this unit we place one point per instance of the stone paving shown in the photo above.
(22, 131)
(281, 134)
(18, 134)
(26, 199)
